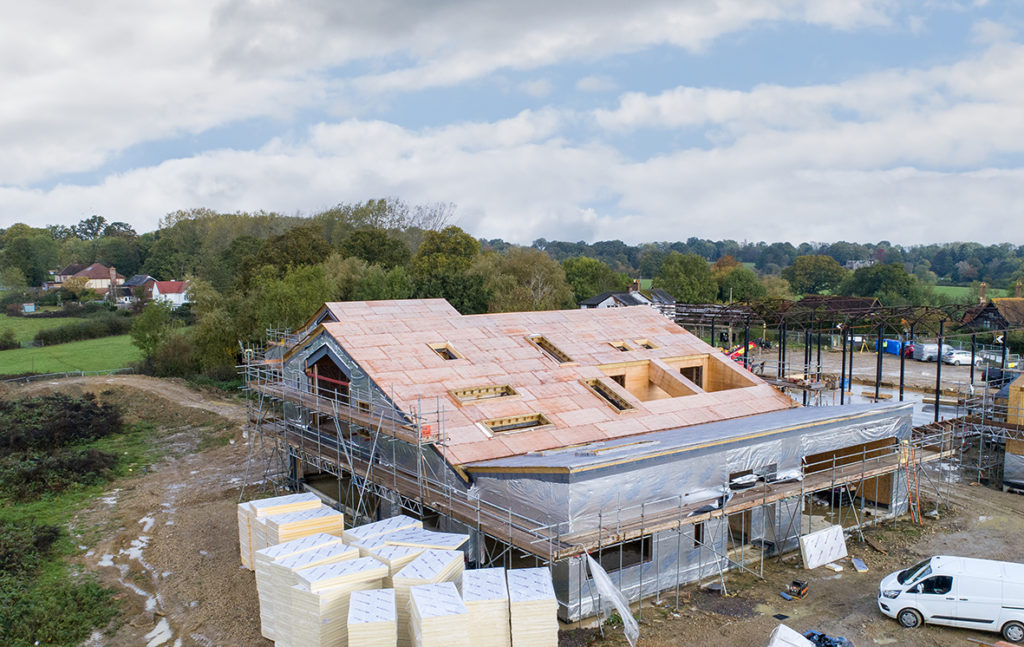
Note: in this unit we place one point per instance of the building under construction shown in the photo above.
(550, 435)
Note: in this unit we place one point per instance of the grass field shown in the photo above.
(25, 328)
(960, 291)
(91, 355)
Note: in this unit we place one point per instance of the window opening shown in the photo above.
(516, 423)
(550, 349)
(693, 373)
(698, 534)
(629, 554)
(620, 345)
(616, 401)
(619, 379)
(644, 343)
(475, 394)
(445, 351)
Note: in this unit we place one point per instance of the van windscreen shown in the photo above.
(920, 569)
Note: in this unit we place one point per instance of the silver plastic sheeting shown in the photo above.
(608, 591)
(675, 559)
(582, 499)
(1013, 470)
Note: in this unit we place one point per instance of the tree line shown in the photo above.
(251, 272)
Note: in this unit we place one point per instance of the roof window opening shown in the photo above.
(644, 343)
(445, 351)
(476, 394)
(606, 393)
(516, 423)
(550, 349)
(620, 345)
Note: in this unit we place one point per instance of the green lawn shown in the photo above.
(25, 328)
(90, 355)
(959, 291)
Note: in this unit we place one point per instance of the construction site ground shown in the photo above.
(166, 540)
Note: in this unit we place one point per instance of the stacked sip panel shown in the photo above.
(395, 557)
(264, 558)
(372, 619)
(354, 536)
(533, 608)
(320, 601)
(485, 594)
(420, 538)
(430, 567)
(285, 527)
(282, 575)
(251, 510)
(438, 617)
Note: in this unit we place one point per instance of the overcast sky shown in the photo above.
(799, 120)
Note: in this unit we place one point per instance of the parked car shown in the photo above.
(929, 352)
(978, 594)
(958, 357)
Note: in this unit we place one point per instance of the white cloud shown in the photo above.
(85, 81)
(538, 88)
(595, 83)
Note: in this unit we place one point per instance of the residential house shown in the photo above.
(138, 288)
(174, 293)
(995, 314)
(655, 298)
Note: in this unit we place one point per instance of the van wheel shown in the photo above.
(909, 618)
(1013, 631)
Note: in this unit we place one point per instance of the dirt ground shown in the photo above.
(167, 540)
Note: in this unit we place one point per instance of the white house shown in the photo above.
(173, 292)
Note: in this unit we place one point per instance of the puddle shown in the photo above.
(160, 635)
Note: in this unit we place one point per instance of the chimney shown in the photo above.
(981, 292)
(1017, 292)
(635, 285)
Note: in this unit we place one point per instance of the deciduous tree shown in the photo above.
(687, 278)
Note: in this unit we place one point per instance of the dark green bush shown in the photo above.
(106, 325)
(52, 421)
(24, 546)
(30, 475)
(7, 340)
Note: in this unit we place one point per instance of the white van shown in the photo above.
(960, 592)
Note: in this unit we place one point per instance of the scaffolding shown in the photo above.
(364, 447)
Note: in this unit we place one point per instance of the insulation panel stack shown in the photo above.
(264, 558)
(420, 538)
(438, 617)
(395, 557)
(533, 608)
(372, 619)
(282, 575)
(354, 536)
(430, 567)
(250, 511)
(285, 527)
(320, 600)
(485, 594)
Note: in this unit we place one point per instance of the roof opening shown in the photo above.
(475, 394)
(445, 351)
(550, 349)
(616, 401)
(516, 423)
(620, 345)
(644, 343)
